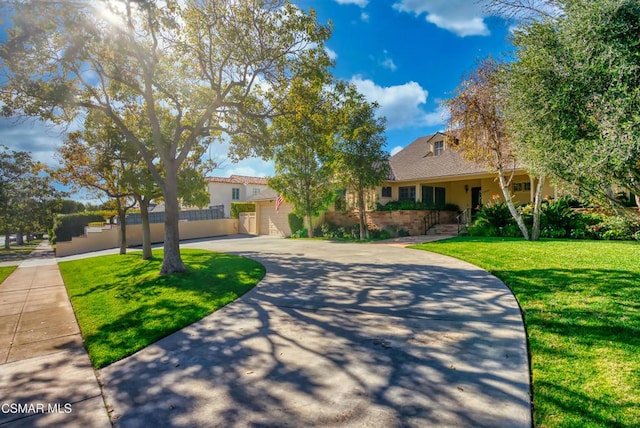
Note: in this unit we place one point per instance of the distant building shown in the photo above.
(236, 188)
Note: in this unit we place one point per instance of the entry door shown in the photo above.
(476, 199)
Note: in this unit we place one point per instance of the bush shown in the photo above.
(413, 205)
(66, 226)
(557, 219)
(296, 224)
(242, 207)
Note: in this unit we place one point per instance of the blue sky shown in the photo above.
(408, 55)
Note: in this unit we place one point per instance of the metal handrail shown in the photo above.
(463, 219)
(431, 219)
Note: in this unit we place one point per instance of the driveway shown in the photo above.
(337, 335)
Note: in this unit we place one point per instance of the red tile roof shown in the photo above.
(238, 179)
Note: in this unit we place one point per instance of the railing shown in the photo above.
(463, 219)
(431, 219)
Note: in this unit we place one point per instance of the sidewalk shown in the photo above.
(46, 377)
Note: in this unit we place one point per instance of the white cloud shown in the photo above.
(395, 150)
(331, 53)
(388, 63)
(462, 17)
(401, 104)
(361, 3)
(364, 16)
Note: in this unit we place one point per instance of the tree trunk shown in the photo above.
(146, 228)
(309, 225)
(20, 236)
(362, 214)
(537, 202)
(504, 186)
(172, 262)
(7, 240)
(123, 227)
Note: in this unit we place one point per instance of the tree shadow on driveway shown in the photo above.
(387, 337)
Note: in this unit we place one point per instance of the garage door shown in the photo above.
(275, 223)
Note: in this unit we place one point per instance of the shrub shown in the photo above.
(557, 219)
(66, 226)
(414, 205)
(242, 207)
(296, 224)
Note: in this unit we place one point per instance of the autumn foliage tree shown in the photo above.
(477, 125)
(188, 71)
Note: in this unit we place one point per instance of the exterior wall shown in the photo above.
(109, 238)
(221, 194)
(247, 223)
(459, 191)
(412, 220)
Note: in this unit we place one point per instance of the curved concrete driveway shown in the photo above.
(337, 335)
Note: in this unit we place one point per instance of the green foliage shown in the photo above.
(579, 301)
(493, 219)
(296, 224)
(66, 226)
(573, 94)
(123, 304)
(242, 207)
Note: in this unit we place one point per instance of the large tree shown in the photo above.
(478, 127)
(360, 159)
(573, 96)
(205, 66)
(304, 140)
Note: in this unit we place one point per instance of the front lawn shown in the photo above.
(123, 304)
(5, 271)
(581, 304)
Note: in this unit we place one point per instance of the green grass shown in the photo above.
(581, 304)
(5, 271)
(123, 304)
(17, 252)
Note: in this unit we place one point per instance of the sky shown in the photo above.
(407, 55)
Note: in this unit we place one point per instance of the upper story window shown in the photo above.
(256, 191)
(235, 194)
(386, 191)
(438, 148)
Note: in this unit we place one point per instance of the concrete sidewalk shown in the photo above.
(46, 377)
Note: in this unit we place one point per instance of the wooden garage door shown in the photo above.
(272, 223)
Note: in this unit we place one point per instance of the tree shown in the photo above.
(98, 158)
(573, 94)
(27, 197)
(361, 162)
(478, 126)
(187, 71)
(304, 138)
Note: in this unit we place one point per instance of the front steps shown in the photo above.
(444, 229)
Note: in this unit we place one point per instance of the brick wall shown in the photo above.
(412, 220)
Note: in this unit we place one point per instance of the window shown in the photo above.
(522, 187)
(438, 148)
(256, 191)
(407, 193)
(386, 191)
(235, 194)
(434, 196)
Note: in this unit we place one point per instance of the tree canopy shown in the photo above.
(172, 76)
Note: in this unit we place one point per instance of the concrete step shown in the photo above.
(444, 229)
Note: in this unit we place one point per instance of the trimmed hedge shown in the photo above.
(242, 207)
(66, 226)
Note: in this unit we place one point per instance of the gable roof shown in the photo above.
(416, 162)
(238, 179)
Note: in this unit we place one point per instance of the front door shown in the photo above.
(476, 199)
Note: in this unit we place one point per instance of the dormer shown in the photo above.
(436, 145)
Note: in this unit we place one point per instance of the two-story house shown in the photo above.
(235, 188)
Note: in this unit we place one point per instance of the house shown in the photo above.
(430, 171)
(235, 188)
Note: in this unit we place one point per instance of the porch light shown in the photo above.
(466, 188)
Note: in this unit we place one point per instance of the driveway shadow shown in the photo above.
(347, 335)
